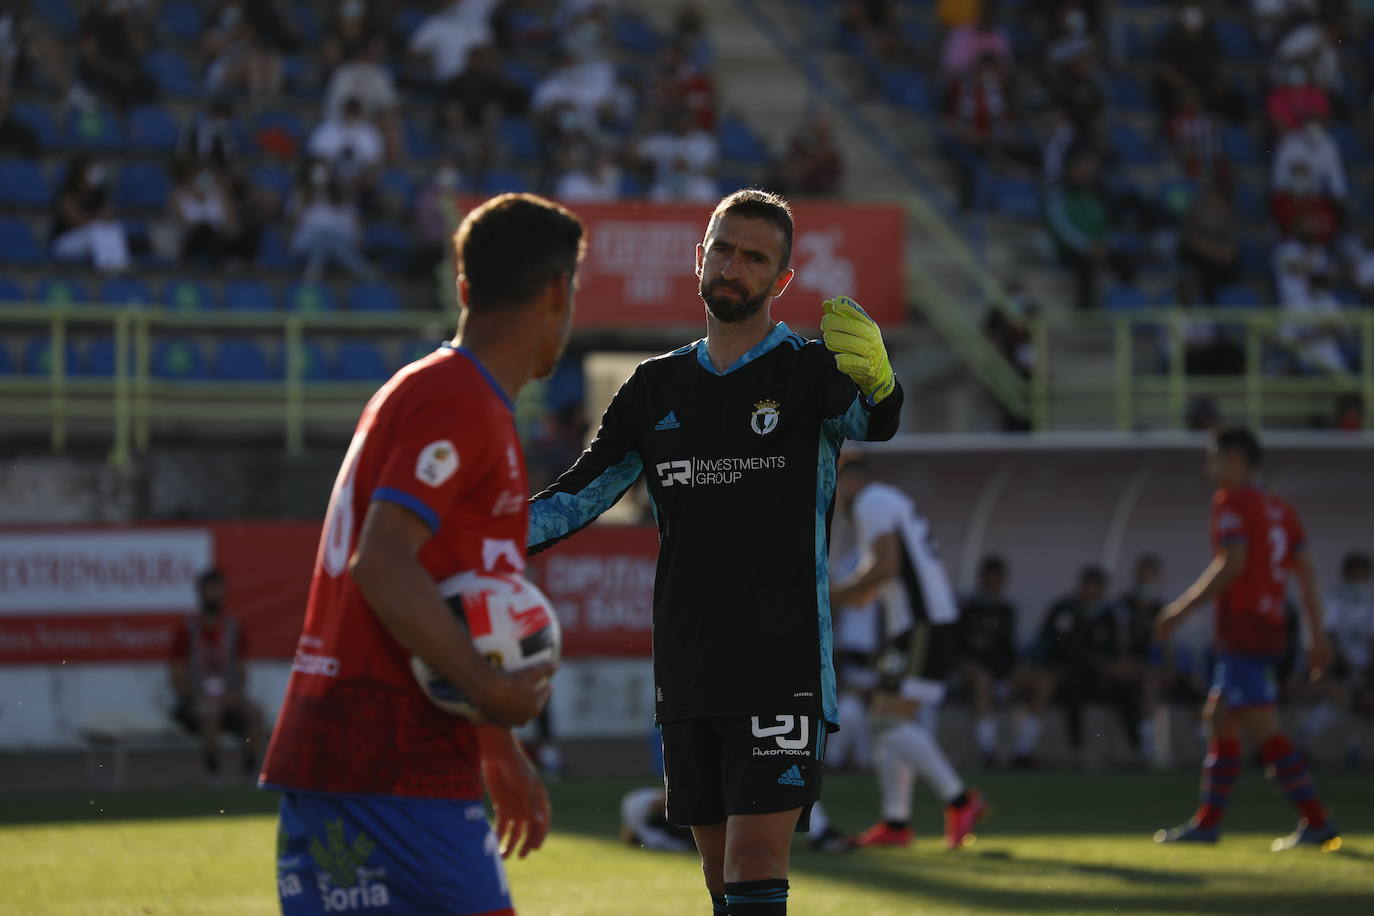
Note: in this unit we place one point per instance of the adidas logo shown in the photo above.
(791, 777)
(668, 422)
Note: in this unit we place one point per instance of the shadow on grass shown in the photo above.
(135, 805)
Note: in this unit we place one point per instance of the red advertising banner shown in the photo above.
(601, 582)
(640, 267)
(118, 593)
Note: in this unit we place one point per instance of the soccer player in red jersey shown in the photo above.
(1258, 542)
(381, 790)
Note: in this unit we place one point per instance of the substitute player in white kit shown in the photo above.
(901, 569)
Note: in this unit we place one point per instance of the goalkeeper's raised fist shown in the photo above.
(857, 343)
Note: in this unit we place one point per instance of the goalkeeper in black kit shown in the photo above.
(737, 436)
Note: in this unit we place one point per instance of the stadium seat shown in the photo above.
(1254, 263)
(309, 297)
(173, 74)
(1017, 197)
(142, 186)
(1250, 201)
(17, 244)
(248, 296)
(186, 295)
(1133, 147)
(60, 290)
(517, 135)
(314, 363)
(632, 186)
(124, 291)
(729, 184)
(360, 360)
(1238, 146)
(1237, 41)
(522, 72)
(38, 356)
(499, 181)
(1123, 298)
(58, 15)
(241, 359)
(419, 140)
(1126, 92)
(908, 89)
(180, 19)
(398, 184)
(1238, 297)
(390, 243)
(6, 364)
(179, 358)
(152, 129)
(1176, 195)
(372, 297)
(92, 129)
(97, 357)
(284, 122)
(38, 118)
(11, 293)
(272, 178)
(307, 22)
(634, 34)
(417, 349)
(738, 142)
(1347, 139)
(23, 183)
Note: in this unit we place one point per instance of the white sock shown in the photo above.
(985, 730)
(819, 821)
(1027, 735)
(919, 749)
(895, 777)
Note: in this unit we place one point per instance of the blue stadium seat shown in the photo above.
(372, 297)
(632, 33)
(248, 296)
(1348, 141)
(142, 186)
(152, 129)
(38, 118)
(17, 244)
(38, 356)
(1237, 296)
(1176, 195)
(173, 74)
(242, 359)
(1123, 298)
(58, 15)
(60, 289)
(6, 364)
(417, 349)
(1133, 147)
(632, 186)
(1125, 91)
(307, 22)
(1238, 146)
(738, 141)
(314, 363)
(1250, 201)
(908, 89)
(179, 358)
(1018, 197)
(360, 360)
(522, 72)
(518, 137)
(186, 295)
(97, 357)
(272, 178)
(23, 183)
(499, 181)
(1237, 41)
(180, 19)
(309, 297)
(1254, 262)
(419, 140)
(729, 184)
(124, 291)
(389, 243)
(92, 129)
(286, 121)
(11, 293)
(398, 184)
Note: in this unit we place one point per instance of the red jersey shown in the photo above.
(439, 439)
(1250, 617)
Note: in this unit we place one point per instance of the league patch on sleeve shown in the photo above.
(1228, 521)
(437, 463)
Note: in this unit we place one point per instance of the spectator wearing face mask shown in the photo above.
(84, 225)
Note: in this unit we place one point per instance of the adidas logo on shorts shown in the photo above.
(791, 777)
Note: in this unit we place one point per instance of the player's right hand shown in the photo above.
(516, 697)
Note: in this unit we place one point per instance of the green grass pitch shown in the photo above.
(1058, 843)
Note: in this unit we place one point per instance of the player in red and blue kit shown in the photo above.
(381, 790)
(1258, 542)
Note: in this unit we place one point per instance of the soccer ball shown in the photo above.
(511, 623)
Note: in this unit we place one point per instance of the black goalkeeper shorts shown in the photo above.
(718, 767)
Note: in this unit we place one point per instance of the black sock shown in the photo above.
(718, 905)
(959, 800)
(757, 898)
(898, 825)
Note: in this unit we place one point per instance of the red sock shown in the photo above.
(1220, 770)
(1288, 768)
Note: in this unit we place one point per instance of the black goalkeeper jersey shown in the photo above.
(740, 469)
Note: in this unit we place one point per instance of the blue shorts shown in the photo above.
(1245, 681)
(399, 856)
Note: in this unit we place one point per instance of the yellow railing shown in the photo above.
(131, 400)
(1158, 393)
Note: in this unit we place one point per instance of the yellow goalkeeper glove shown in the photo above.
(857, 343)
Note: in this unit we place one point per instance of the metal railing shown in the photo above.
(1148, 383)
(132, 398)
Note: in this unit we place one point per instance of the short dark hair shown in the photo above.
(1356, 562)
(756, 203)
(992, 564)
(510, 247)
(1148, 559)
(1241, 440)
(211, 576)
(1092, 574)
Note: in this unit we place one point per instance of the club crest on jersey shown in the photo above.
(765, 418)
(437, 463)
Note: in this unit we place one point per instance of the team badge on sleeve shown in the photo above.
(437, 463)
(765, 418)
